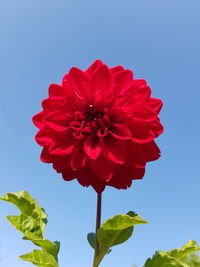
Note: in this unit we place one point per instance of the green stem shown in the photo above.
(99, 257)
(98, 224)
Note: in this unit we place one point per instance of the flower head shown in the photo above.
(99, 126)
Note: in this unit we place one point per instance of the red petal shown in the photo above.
(67, 86)
(116, 69)
(63, 147)
(68, 174)
(55, 103)
(43, 137)
(60, 163)
(135, 154)
(113, 149)
(91, 147)
(55, 90)
(78, 157)
(141, 91)
(138, 173)
(145, 132)
(143, 112)
(37, 119)
(122, 177)
(101, 80)
(123, 101)
(86, 178)
(123, 80)
(94, 66)
(56, 121)
(157, 127)
(151, 151)
(79, 82)
(45, 156)
(120, 131)
(155, 104)
(103, 168)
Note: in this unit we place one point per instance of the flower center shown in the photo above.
(93, 120)
(93, 113)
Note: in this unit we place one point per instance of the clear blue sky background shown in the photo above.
(159, 40)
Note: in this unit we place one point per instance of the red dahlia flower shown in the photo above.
(99, 127)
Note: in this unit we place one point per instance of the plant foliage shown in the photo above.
(31, 222)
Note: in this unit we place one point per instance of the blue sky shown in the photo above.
(159, 41)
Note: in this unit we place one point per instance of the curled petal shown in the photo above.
(92, 147)
(102, 132)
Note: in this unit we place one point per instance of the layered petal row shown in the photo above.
(99, 127)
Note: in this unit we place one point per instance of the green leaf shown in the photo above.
(40, 258)
(31, 222)
(117, 230)
(50, 247)
(27, 205)
(162, 259)
(114, 231)
(31, 228)
(26, 224)
(192, 259)
(190, 247)
(91, 237)
(172, 257)
(135, 215)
